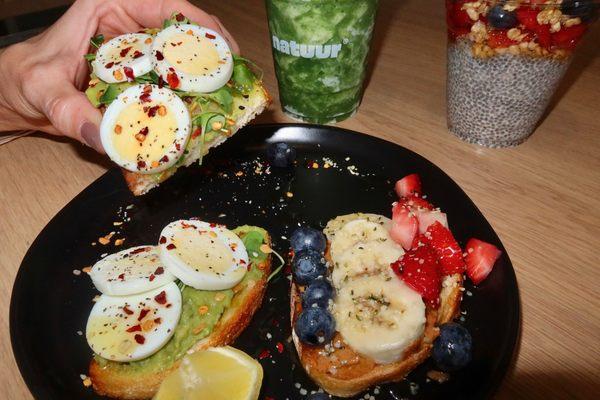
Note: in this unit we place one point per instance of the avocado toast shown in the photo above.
(168, 96)
(227, 314)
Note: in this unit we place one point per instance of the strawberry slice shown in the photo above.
(446, 248)
(404, 226)
(427, 218)
(480, 259)
(419, 269)
(415, 203)
(528, 18)
(568, 38)
(499, 39)
(408, 185)
(456, 16)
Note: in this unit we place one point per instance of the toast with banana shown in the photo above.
(383, 329)
(139, 339)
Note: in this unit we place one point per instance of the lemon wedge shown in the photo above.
(219, 373)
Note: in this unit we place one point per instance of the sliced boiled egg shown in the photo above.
(130, 328)
(145, 129)
(132, 271)
(192, 58)
(202, 255)
(123, 58)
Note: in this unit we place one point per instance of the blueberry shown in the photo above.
(319, 396)
(315, 326)
(281, 154)
(500, 18)
(308, 238)
(307, 266)
(585, 9)
(318, 292)
(452, 349)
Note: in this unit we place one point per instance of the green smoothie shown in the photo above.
(320, 49)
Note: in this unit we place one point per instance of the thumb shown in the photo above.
(71, 113)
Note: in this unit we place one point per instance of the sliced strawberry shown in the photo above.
(456, 16)
(408, 185)
(480, 259)
(415, 202)
(528, 18)
(427, 218)
(404, 226)
(446, 248)
(419, 269)
(568, 38)
(499, 39)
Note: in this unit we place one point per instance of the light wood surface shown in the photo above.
(542, 197)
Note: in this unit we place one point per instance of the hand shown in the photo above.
(42, 78)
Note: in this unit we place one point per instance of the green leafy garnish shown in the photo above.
(110, 94)
(97, 40)
(150, 77)
(223, 98)
(243, 78)
(89, 56)
(252, 241)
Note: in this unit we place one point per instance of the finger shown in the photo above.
(232, 43)
(71, 113)
(152, 13)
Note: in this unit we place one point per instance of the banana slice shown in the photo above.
(365, 258)
(379, 316)
(361, 230)
(202, 255)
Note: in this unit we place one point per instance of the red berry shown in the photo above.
(568, 38)
(498, 39)
(404, 226)
(408, 185)
(415, 202)
(446, 248)
(480, 259)
(419, 269)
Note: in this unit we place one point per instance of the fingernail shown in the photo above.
(91, 136)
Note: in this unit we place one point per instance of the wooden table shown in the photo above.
(542, 197)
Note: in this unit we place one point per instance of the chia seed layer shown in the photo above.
(497, 101)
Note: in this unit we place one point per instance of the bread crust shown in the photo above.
(140, 184)
(143, 385)
(359, 372)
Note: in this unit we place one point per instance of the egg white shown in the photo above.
(109, 64)
(131, 271)
(136, 160)
(202, 255)
(112, 316)
(198, 42)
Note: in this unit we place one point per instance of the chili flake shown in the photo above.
(209, 36)
(124, 51)
(135, 328)
(143, 313)
(128, 73)
(139, 339)
(161, 298)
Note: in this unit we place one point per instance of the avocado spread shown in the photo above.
(194, 325)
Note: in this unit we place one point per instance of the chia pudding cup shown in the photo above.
(505, 61)
(320, 50)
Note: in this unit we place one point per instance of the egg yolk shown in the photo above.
(139, 136)
(191, 54)
(203, 251)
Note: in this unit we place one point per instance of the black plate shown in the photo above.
(50, 304)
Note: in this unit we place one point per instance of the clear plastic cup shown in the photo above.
(320, 50)
(505, 61)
